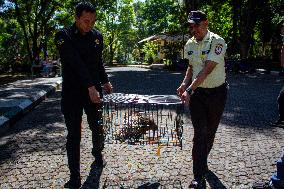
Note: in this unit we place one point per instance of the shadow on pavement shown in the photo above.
(214, 181)
(93, 179)
(252, 100)
(251, 97)
(6, 150)
(40, 130)
(149, 185)
(41, 118)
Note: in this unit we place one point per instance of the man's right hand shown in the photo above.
(94, 95)
(181, 89)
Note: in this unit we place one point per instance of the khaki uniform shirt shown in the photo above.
(213, 48)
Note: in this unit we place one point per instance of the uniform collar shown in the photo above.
(206, 38)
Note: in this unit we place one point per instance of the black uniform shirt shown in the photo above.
(81, 59)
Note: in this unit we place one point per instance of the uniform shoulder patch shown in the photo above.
(218, 48)
(59, 42)
(60, 38)
(190, 52)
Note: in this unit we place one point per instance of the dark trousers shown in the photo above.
(280, 101)
(72, 109)
(206, 108)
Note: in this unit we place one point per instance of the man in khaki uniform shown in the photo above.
(204, 89)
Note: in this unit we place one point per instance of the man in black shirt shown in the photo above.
(80, 48)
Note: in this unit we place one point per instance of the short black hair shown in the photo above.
(84, 6)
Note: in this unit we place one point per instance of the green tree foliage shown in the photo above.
(250, 27)
(117, 23)
(220, 21)
(158, 16)
(150, 52)
(252, 23)
(11, 44)
(34, 23)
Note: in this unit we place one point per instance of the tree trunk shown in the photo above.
(250, 14)
(247, 24)
(34, 23)
(235, 44)
(23, 26)
(111, 51)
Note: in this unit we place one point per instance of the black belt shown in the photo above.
(212, 90)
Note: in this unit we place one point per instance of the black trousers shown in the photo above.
(206, 108)
(280, 101)
(72, 107)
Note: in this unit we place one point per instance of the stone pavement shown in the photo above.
(33, 154)
(19, 97)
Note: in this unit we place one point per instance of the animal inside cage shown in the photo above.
(143, 119)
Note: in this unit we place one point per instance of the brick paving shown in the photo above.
(33, 155)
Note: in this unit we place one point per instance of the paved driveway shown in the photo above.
(32, 154)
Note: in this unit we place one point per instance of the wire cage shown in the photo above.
(143, 119)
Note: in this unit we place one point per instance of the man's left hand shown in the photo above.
(108, 87)
(185, 98)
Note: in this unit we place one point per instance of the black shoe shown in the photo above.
(100, 161)
(198, 184)
(73, 184)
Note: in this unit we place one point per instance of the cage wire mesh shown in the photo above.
(143, 119)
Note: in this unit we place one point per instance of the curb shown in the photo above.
(132, 65)
(15, 108)
(151, 66)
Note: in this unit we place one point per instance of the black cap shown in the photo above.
(195, 17)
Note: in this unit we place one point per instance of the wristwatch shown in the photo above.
(189, 90)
